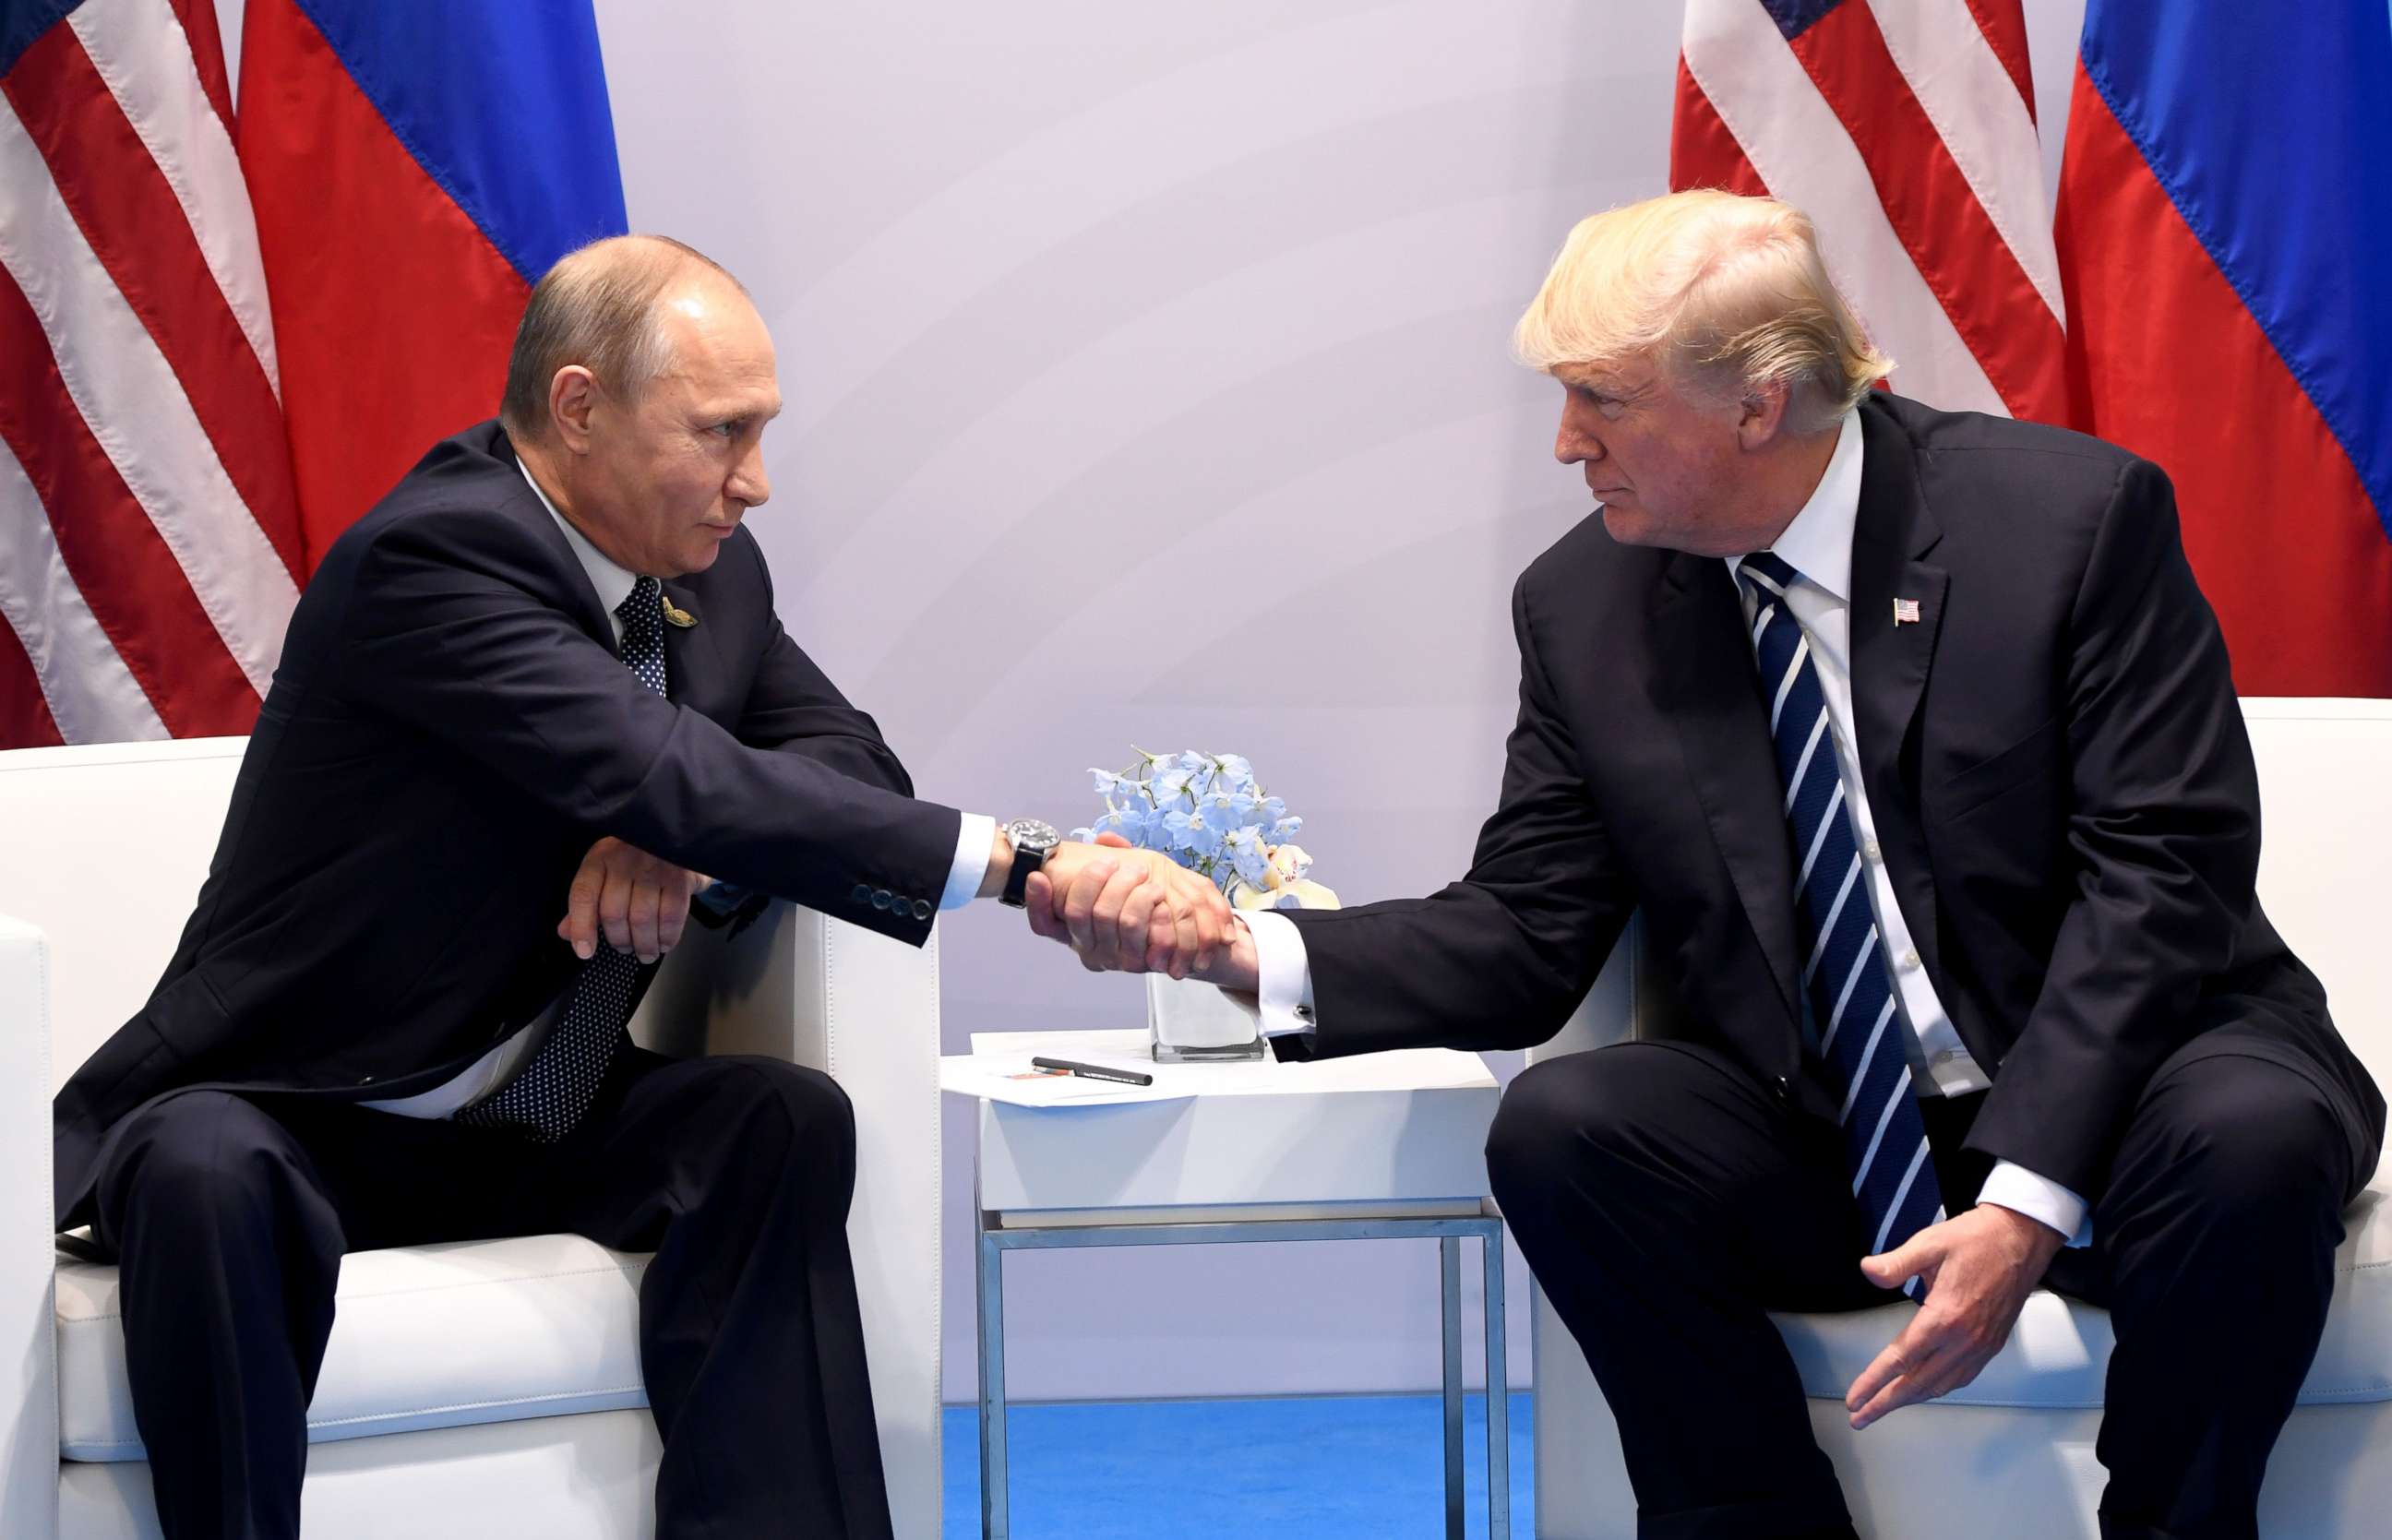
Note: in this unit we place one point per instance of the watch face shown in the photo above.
(1029, 833)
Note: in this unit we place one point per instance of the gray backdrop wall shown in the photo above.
(1147, 383)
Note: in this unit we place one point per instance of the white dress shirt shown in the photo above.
(613, 584)
(1818, 546)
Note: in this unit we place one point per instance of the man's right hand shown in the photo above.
(1123, 910)
(638, 902)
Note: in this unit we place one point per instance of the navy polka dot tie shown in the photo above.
(554, 1089)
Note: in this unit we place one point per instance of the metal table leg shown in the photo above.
(1448, 1257)
(995, 1240)
(1499, 1400)
(996, 1523)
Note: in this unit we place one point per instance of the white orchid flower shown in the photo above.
(1285, 885)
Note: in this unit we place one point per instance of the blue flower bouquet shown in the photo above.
(1208, 813)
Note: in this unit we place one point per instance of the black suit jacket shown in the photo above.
(450, 729)
(2055, 760)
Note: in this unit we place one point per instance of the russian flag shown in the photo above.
(415, 166)
(2224, 212)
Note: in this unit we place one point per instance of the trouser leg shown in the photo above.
(737, 1173)
(228, 1252)
(1666, 1203)
(2216, 1237)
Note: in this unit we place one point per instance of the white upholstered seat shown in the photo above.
(423, 1336)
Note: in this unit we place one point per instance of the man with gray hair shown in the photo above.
(522, 703)
(1911, 737)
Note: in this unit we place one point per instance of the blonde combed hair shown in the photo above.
(1728, 293)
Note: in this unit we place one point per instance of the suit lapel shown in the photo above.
(1703, 685)
(1891, 653)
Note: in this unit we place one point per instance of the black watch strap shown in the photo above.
(1026, 859)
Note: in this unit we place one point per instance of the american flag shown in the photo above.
(149, 539)
(1906, 130)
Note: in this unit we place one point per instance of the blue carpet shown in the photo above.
(1326, 1467)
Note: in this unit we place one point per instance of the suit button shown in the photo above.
(1783, 1091)
(862, 893)
(882, 898)
(921, 909)
(364, 1080)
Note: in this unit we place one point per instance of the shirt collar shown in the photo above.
(613, 584)
(1818, 544)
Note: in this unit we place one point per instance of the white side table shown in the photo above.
(1381, 1146)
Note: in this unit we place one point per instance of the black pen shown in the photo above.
(1092, 1071)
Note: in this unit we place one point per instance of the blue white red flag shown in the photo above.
(416, 165)
(2224, 215)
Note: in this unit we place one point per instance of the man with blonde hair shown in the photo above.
(1914, 741)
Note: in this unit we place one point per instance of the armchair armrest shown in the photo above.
(29, 1393)
(864, 1009)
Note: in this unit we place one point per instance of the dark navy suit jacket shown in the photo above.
(2055, 759)
(449, 730)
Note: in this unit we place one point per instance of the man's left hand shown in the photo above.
(1978, 1268)
(639, 901)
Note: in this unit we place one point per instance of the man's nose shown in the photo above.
(748, 483)
(1574, 445)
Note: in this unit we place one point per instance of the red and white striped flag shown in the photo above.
(149, 546)
(1906, 130)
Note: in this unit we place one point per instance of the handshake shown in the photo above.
(1123, 910)
(1119, 909)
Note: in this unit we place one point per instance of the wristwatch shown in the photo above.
(1033, 842)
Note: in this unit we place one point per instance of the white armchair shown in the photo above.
(2013, 1454)
(482, 1391)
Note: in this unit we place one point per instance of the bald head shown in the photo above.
(602, 307)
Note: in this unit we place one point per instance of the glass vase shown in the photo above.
(1193, 1022)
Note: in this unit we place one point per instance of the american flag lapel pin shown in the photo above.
(1906, 610)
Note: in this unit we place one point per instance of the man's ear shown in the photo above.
(1762, 418)
(572, 403)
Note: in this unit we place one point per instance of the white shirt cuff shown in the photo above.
(973, 843)
(1283, 974)
(2040, 1198)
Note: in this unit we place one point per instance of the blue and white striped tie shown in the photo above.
(1843, 959)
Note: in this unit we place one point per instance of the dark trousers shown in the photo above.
(1666, 1202)
(231, 1216)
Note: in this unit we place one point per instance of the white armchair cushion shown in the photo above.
(423, 1337)
(2061, 1352)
